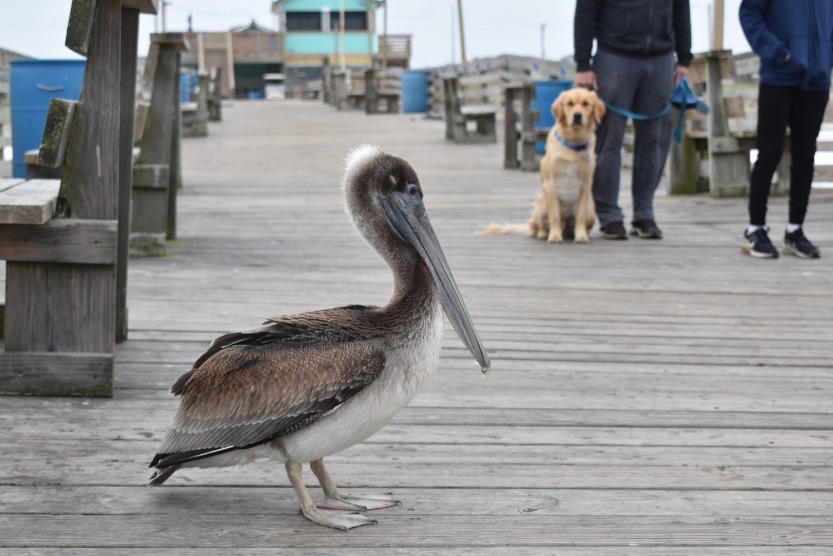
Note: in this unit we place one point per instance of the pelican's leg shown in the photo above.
(322, 517)
(336, 500)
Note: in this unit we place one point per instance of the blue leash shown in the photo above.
(682, 97)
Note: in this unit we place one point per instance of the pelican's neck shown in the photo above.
(414, 290)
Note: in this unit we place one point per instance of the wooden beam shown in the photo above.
(56, 374)
(80, 27)
(144, 6)
(61, 240)
(178, 40)
(29, 202)
(56, 132)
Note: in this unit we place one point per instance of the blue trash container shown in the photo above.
(32, 84)
(545, 93)
(184, 87)
(415, 91)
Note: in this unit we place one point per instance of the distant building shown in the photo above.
(307, 32)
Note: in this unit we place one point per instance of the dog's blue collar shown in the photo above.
(570, 145)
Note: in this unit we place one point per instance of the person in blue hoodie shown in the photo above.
(793, 40)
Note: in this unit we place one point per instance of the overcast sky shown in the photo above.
(37, 28)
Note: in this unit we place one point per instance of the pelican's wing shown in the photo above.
(252, 387)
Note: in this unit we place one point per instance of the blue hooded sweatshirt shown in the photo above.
(802, 28)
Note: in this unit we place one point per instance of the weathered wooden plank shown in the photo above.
(139, 444)
(6, 183)
(432, 551)
(29, 202)
(152, 176)
(144, 6)
(80, 28)
(58, 318)
(61, 240)
(56, 132)
(434, 532)
(243, 501)
(56, 374)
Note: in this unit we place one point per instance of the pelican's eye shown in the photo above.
(412, 190)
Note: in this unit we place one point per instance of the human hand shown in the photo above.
(586, 79)
(787, 59)
(680, 72)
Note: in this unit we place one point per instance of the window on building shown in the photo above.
(303, 21)
(353, 21)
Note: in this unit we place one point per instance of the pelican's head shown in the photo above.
(384, 201)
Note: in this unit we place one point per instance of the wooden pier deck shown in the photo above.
(664, 398)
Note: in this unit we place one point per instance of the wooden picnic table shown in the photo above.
(647, 397)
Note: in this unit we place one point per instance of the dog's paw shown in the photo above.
(582, 238)
(542, 234)
(555, 238)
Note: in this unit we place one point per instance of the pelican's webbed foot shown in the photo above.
(335, 520)
(336, 500)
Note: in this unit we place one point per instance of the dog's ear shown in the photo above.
(599, 109)
(557, 108)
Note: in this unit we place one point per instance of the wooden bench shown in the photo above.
(157, 173)
(467, 124)
(338, 90)
(195, 114)
(725, 143)
(375, 96)
(34, 170)
(215, 95)
(65, 245)
(519, 127)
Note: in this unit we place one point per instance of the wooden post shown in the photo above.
(371, 96)
(717, 26)
(529, 162)
(127, 86)
(510, 130)
(728, 162)
(155, 176)
(462, 35)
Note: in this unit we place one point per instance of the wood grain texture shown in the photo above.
(29, 202)
(127, 133)
(56, 374)
(665, 398)
(56, 133)
(61, 240)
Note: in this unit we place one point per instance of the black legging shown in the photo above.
(802, 111)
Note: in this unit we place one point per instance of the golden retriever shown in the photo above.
(564, 206)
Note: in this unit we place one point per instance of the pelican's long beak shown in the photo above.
(407, 214)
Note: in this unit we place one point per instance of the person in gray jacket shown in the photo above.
(635, 70)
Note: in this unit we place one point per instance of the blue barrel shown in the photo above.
(545, 94)
(185, 87)
(415, 91)
(32, 84)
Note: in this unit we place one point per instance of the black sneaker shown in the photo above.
(757, 244)
(646, 229)
(797, 244)
(614, 230)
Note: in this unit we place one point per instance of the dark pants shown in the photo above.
(802, 112)
(641, 85)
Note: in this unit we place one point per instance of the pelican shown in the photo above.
(305, 386)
